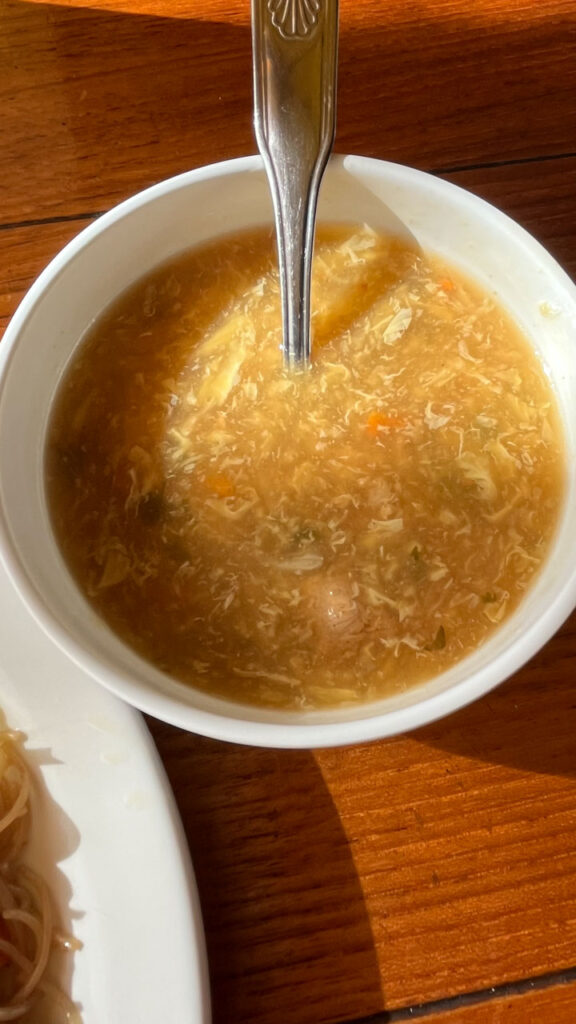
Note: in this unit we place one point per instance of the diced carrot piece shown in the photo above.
(446, 284)
(383, 421)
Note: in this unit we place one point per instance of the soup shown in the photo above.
(307, 539)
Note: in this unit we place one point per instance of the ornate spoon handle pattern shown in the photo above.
(294, 19)
(295, 68)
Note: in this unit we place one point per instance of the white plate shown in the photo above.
(107, 837)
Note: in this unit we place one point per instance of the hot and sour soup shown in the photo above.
(305, 539)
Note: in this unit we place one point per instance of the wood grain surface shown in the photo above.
(432, 875)
(422, 868)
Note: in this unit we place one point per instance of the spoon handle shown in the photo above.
(295, 65)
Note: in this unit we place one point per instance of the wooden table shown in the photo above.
(430, 876)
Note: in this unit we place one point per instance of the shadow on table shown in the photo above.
(119, 101)
(123, 98)
(279, 889)
(528, 723)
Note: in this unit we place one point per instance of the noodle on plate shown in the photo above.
(27, 932)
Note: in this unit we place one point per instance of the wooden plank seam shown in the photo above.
(465, 999)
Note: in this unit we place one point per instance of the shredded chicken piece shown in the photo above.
(336, 615)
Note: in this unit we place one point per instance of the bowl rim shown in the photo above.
(303, 733)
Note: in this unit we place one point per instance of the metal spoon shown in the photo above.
(295, 64)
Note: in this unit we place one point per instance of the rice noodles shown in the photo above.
(27, 935)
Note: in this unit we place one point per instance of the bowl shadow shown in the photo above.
(528, 723)
(283, 908)
(175, 92)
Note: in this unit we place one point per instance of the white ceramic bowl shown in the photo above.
(162, 221)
